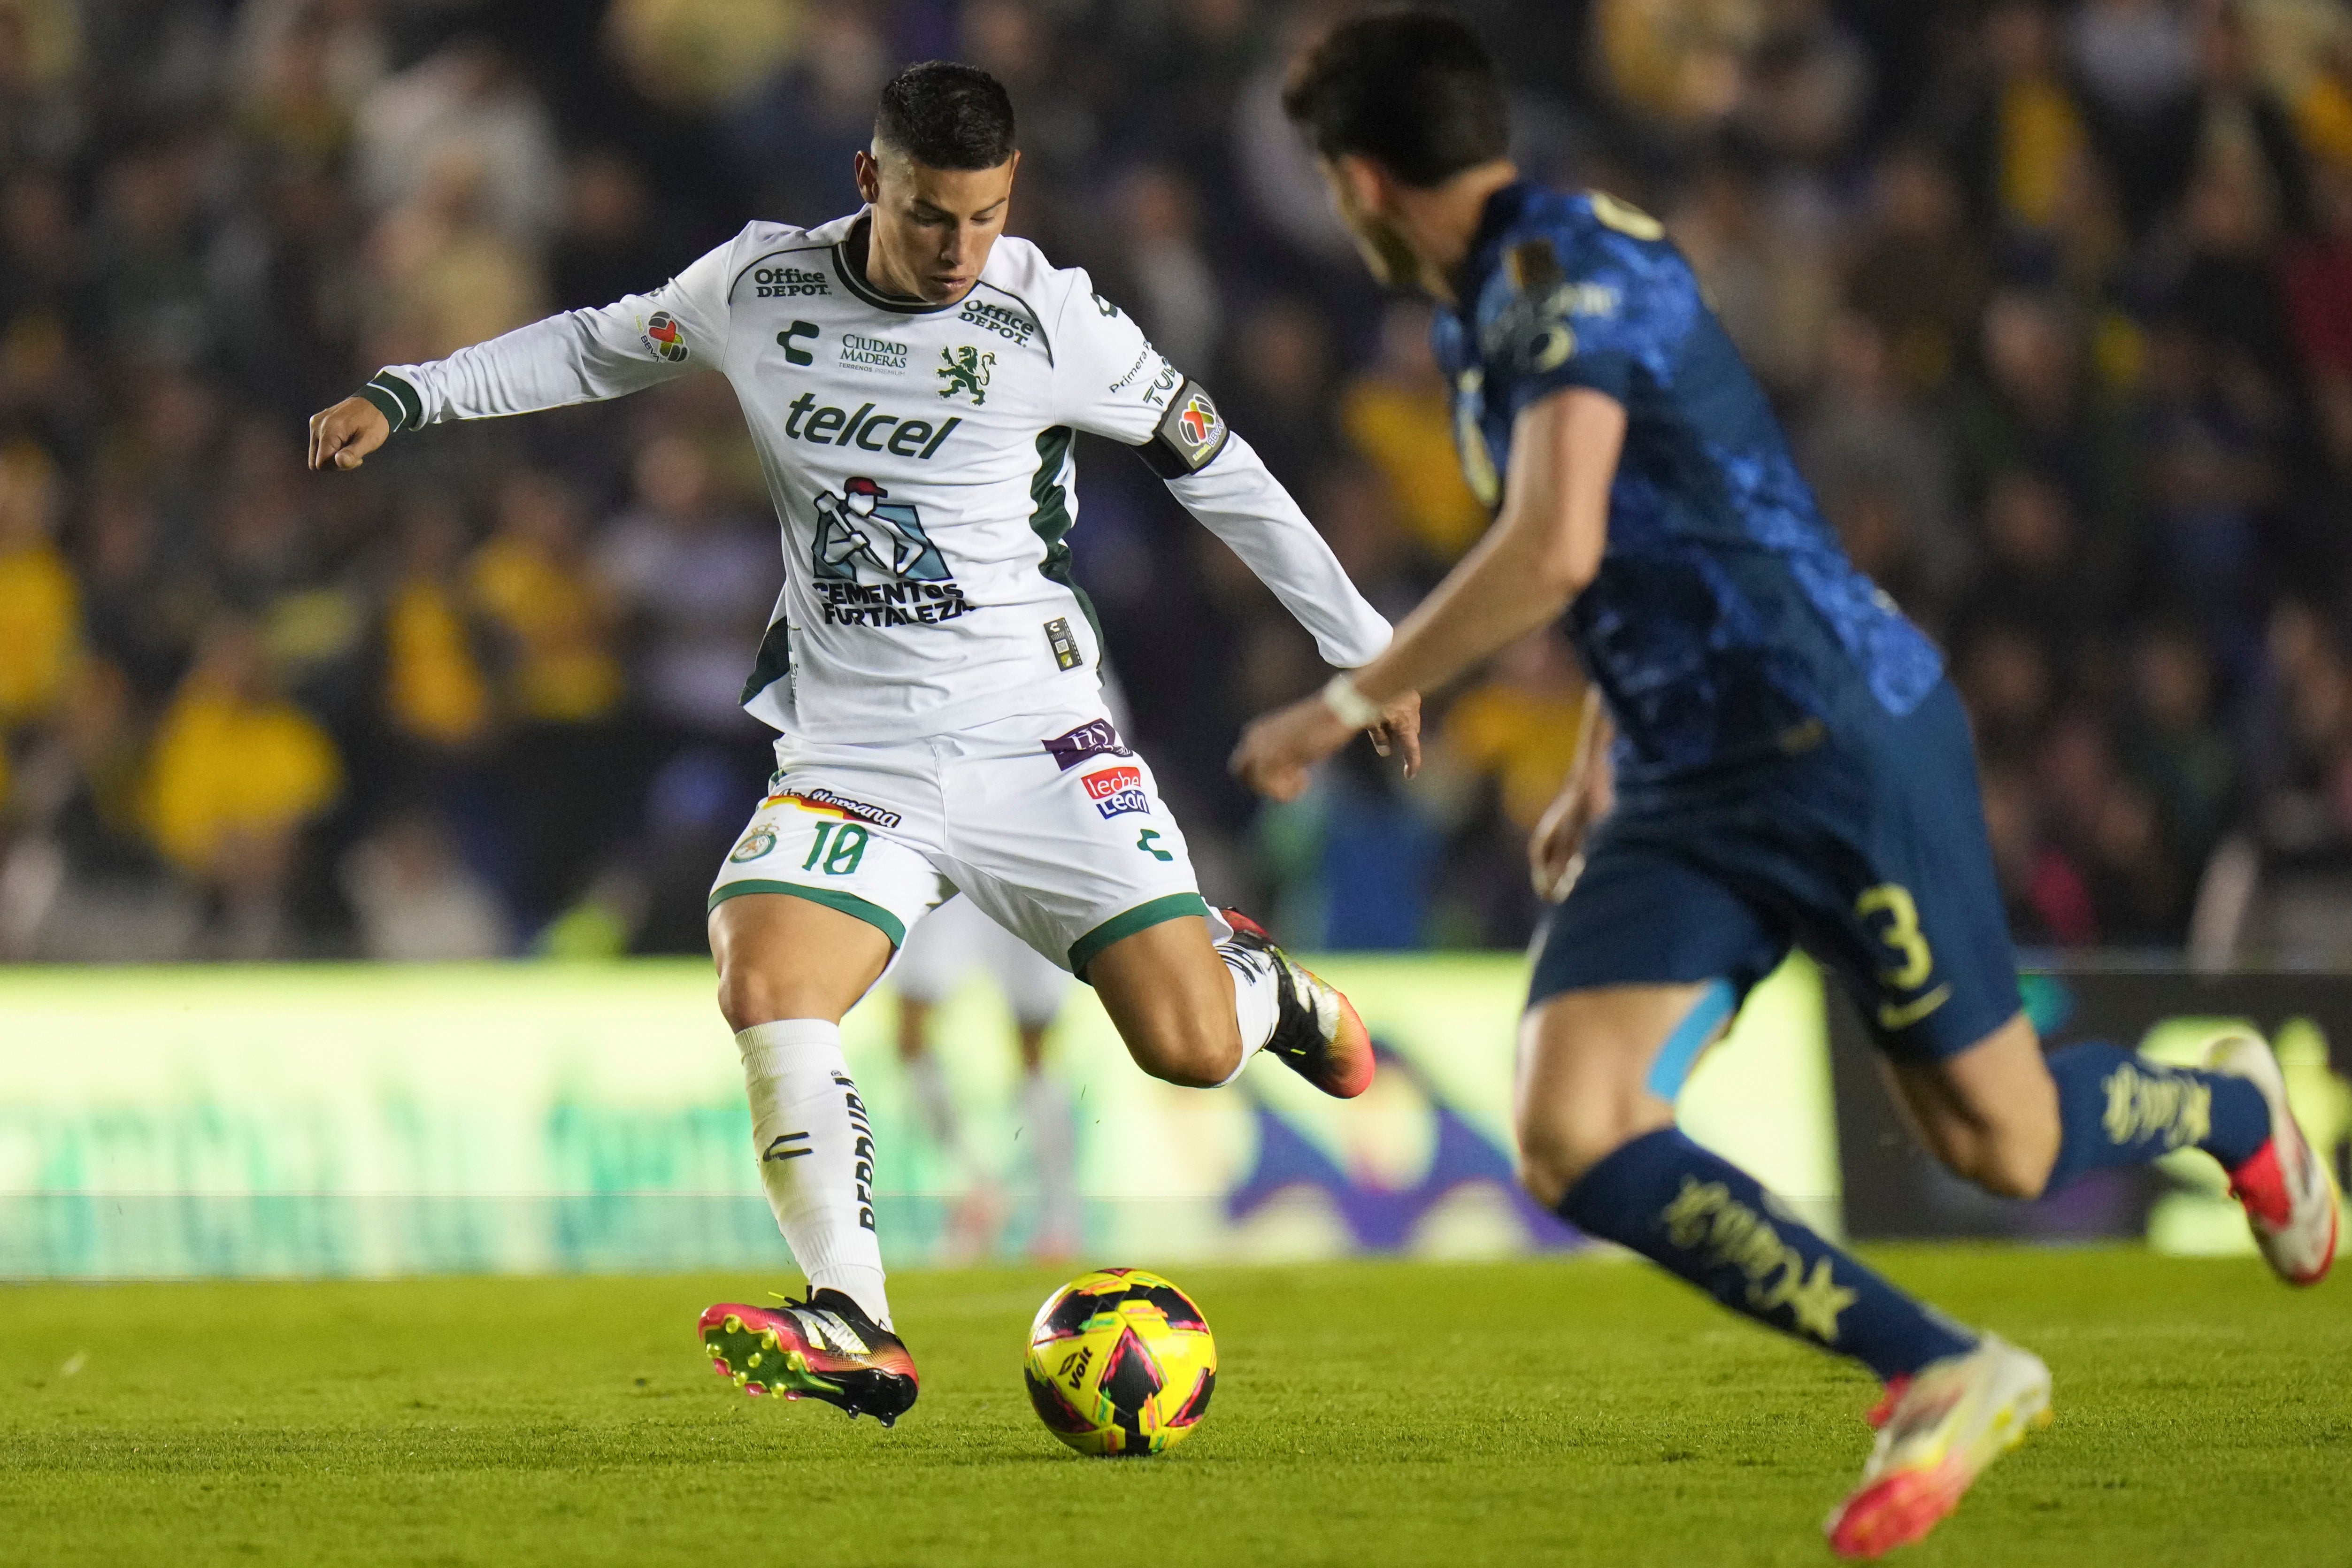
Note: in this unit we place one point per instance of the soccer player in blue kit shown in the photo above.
(1790, 767)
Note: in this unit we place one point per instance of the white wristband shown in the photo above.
(1349, 706)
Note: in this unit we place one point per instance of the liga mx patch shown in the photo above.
(1189, 436)
(1117, 792)
(1065, 646)
(665, 336)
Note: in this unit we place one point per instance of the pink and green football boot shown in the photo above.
(823, 1348)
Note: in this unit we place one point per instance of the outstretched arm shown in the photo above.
(1111, 380)
(579, 356)
(1237, 498)
(1544, 547)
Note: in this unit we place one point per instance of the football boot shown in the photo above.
(1317, 1032)
(2289, 1198)
(823, 1348)
(1938, 1430)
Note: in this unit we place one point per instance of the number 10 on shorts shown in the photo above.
(840, 845)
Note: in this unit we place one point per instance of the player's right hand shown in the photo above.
(1556, 849)
(345, 433)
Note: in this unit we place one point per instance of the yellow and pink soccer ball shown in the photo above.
(1121, 1363)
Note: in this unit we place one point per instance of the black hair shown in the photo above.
(1413, 90)
(945, 115)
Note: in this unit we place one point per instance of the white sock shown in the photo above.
(815, 1148)
(1052, 1137)
(1257, 1000)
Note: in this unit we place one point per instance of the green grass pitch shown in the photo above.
(1582, 1412)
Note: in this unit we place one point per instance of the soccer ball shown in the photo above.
(1120, 1362)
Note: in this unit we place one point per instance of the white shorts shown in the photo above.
(1048, 824)
(955, 939)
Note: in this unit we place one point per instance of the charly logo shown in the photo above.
(756, 843)
(665, 336)
(966, 371)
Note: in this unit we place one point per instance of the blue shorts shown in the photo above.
(1868, 851)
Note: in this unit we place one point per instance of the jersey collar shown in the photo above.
(1501, 211)
(853, 276)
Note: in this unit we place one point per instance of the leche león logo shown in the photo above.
(666, 337)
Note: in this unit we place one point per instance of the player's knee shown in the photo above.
(743, 998)
(2013, 1164)
(750, 994)
(1193, 1053)
(1556, 1151)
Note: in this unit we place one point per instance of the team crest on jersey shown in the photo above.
(966, 373)
(664, 337)
(758, 842)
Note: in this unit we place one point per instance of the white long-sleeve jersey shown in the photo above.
(919, 460)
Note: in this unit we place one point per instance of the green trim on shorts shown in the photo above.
(1174, 907)
(872, 913)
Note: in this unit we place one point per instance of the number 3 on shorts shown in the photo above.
(1902, 936)
(848, 847)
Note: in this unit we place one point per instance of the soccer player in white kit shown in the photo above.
(912, 379)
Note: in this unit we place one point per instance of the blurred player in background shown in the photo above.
(953, 941)
(1790, 766)
(913, 380)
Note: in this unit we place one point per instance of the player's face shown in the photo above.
(933, 228)
(1357, 195)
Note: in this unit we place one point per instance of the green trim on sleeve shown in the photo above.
(1174, 907)
(386, 404)
(872, 913)
(406, 410)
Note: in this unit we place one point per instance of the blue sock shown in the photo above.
(2117, 1107)
(1703, 1217)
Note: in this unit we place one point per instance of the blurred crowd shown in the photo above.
(2056, 301)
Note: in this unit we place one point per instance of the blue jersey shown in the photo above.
(1726, 624)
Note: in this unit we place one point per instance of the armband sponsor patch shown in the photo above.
(1189, 436)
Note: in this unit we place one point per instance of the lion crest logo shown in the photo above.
(966, 370)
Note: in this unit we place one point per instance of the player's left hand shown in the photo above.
(1277, 747)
